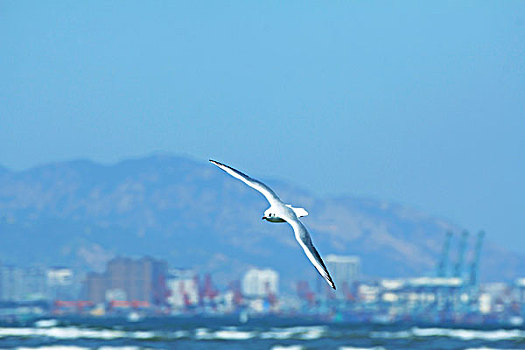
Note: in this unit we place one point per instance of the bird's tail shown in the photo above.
(300, 212)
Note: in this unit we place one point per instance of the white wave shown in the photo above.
(54, 347)
(225, 334)
(143, 335)
(392, 335)
(312, 334)
(276, 335)
(180, 334)
(288, 347)
(203, 333)
(485, 348)
(74, 347)
(464, 334)
(73, 333)
(62, 333)
(233, 335)
(302, 329)
(306, 333)
(46, 323)
(354, 348)
(469, 334)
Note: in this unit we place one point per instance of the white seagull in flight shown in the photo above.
(280, 212)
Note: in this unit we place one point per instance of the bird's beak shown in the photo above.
(263, 218)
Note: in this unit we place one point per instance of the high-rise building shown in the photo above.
(95, 287)
(137, 280)
(60, 283)
(260, 283)
(345, 270)
(11, 281)
(22, 284)
(59, 276)
(35, 283)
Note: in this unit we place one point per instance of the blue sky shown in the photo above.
(421, 103)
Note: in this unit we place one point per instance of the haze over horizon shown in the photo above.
(417, 103)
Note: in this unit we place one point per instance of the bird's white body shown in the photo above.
(280, 212)
(276, 214)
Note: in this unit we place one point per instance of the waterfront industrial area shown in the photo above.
(144, 287)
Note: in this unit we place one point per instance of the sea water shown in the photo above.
(228, 333)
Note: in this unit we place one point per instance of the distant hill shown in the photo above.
(190, 213)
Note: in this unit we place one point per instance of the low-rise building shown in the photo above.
(183, 289)
(260, 283)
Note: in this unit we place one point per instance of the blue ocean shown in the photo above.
(264, 333)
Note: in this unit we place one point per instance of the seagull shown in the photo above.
(280, 212)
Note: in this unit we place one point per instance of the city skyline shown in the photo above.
(140, 287)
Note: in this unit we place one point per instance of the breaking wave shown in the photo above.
(54, 347)
(47, 329)
(46, 323)
(463, 334)
(287, 347)
(485, 348)
(74, 347)
(73, 333)
(227, 333)
(304, 333)
(354, 348)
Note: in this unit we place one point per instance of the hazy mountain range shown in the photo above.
(80, 214)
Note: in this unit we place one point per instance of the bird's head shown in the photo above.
(268, 214)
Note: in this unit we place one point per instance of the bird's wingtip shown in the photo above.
(219, 164)
(332, 284)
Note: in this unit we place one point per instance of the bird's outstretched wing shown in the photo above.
(303, 237)
(255, 184)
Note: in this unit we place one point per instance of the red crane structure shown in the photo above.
(304, 292)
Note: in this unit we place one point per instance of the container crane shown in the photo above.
(443, 261)
(304, 292)
(461, 255)
(235, 287)
(209, 290)
(474, 266)
(270, 295)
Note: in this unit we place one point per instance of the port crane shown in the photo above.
(443, 261)
(461, 254)
(474, 265)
